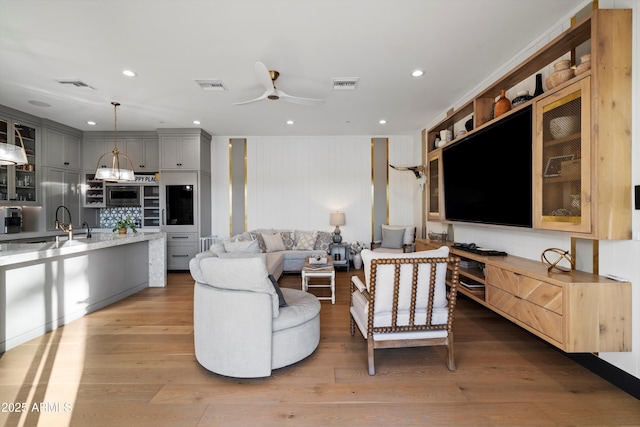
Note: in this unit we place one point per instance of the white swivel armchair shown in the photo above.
(404, 302)
(241, 328)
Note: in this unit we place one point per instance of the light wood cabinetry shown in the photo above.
(562, 171)
(591, 198)
(576, 311)
(435, 208)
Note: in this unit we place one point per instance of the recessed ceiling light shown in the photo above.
(196, 122)
(382, 122)
(91, 123)
(128, 73)
(417, 73)
(290, 122)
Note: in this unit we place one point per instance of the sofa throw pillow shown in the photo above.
(323, 241)
(392, 239)
(306, 241)
(273, 242)
(217, 248)
(281, 299)
(250, 246)
(288, 239)
(258, 237)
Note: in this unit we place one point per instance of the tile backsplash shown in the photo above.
(109, 216)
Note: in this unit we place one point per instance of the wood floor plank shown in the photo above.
(133, 363)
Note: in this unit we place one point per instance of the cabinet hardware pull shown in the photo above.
(179, 237)
(179, 256)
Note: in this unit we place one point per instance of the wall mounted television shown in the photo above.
(487, 176)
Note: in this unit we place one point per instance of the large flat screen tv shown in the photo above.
(487, 176)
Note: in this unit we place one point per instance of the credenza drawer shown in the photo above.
(541, 319)
(541, 293)
(503, 279)
(503, 301)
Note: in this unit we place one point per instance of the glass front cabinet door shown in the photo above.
(434, 201)
(562, 190)
(18, 183)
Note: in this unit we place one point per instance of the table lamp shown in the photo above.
(337, 219)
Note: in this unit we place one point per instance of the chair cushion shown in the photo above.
(301, 307)
(385, 275)
(409, 232)
(392, 238)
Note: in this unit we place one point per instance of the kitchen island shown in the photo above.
(46, 285)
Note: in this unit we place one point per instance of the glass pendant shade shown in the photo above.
(12, 154)
(120, 167)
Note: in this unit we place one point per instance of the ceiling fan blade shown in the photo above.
(310, 102)
(262, 72)
(261, 97)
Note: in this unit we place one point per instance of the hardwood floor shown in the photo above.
(132, 364)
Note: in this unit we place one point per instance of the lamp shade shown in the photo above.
(337, 218)
(121, 167)
(12, 154)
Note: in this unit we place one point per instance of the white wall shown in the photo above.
(297, 181)
(621, 258)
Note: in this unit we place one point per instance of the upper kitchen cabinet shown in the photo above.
(144, 153)
(94, 148)
(185, 149)
(20, 182)
(62, 148)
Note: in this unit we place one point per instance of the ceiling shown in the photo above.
(171, 43)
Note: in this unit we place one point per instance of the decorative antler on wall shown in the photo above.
(418, 171)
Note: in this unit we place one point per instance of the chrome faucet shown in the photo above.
(66, 227)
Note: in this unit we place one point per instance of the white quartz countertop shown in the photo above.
(16, 253)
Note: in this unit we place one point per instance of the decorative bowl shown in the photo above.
(561, 65)
(563, 126)
(560, 77)
(522, 97)
(585, 66)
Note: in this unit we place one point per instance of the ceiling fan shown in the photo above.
(268, 79)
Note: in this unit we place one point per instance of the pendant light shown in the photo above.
(11, 154)
(121, 167)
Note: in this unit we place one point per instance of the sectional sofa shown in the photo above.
(283, 250)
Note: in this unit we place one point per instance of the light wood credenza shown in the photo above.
(576, 312)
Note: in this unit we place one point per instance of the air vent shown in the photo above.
(211, 85)
(74, 82)
(345, 83)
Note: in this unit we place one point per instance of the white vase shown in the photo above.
(357, 261)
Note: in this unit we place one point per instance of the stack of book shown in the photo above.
(471, 284)
(469, 263)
